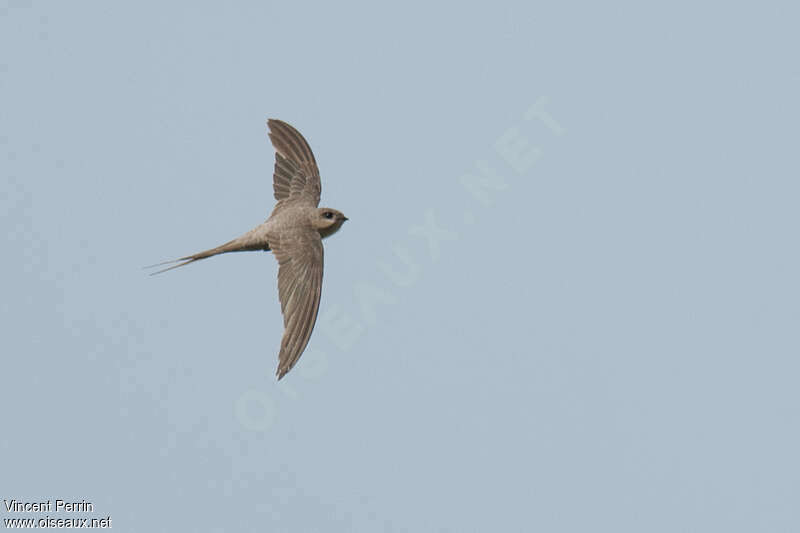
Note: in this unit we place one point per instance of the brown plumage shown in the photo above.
(294, 233)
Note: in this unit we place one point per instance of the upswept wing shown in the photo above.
(296, 174)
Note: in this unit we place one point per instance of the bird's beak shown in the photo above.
(345, 218)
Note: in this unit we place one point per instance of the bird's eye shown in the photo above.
(328, 214)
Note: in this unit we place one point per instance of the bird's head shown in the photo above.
(328, 221)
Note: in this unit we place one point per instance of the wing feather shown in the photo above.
(300, 259)
(296, 174)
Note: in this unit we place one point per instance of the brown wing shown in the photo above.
(296, 173)
(300, 260)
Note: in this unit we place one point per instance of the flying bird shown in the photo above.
(293, 233)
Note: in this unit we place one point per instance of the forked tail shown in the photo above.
(236, 245)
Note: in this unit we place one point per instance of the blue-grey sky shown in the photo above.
(566, 299)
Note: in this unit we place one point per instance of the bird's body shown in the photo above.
(294, 233)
